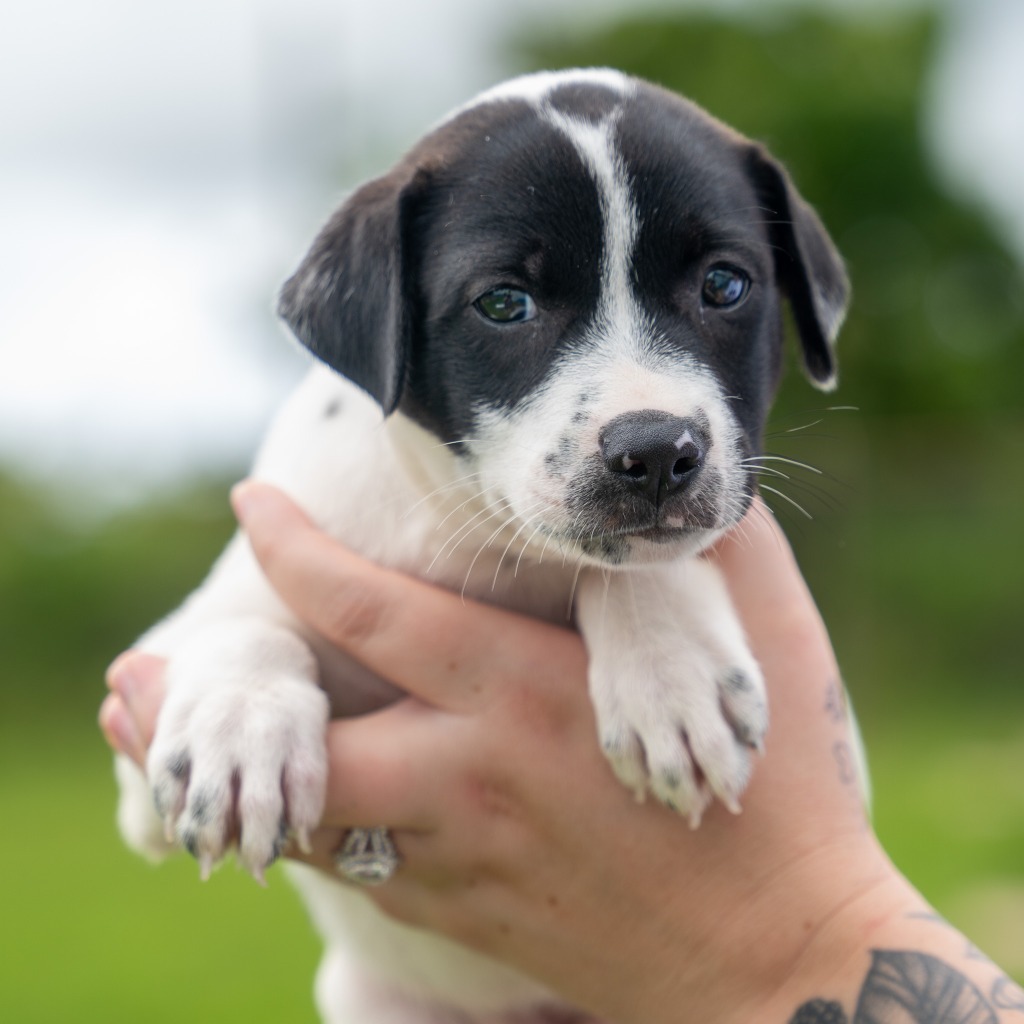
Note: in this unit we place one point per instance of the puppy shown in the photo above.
(547, 340)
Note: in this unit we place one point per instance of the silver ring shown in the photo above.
(367, 856)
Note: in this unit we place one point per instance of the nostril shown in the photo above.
(690, 458)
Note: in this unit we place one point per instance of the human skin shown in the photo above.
(517, 841)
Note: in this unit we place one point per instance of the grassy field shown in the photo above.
(91, 932)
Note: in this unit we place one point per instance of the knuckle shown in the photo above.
(493, 798)
(354, 616)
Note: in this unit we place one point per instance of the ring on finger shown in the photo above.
(367, 856)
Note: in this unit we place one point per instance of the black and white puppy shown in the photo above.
(549, 339)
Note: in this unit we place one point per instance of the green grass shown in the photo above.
(93, 933)
(88, 931)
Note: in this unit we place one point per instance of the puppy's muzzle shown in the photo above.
(656, 453)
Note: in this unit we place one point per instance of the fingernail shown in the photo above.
(125, 678)
(138, 677)
(118, 671)
(122, 679)
(245, 497)
(119, 728)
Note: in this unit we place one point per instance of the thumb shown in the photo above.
(137, 679)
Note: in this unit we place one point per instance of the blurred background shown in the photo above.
(162, 166)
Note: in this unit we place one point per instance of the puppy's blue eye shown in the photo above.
(506, 306)
(725, 286)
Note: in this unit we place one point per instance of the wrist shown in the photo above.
(885, 955)
(764, 945)
(822, 983)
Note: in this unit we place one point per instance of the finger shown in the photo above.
(120, 730)
(769, 592)
(376, 772)
(448, 651)
(138, 679)
(789, 640)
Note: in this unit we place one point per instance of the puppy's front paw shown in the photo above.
(239, 761)
(686, 731)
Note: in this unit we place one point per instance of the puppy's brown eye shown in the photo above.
(506, 306)
(725, 286)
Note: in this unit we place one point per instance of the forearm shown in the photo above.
(842, 939)
(890, 959)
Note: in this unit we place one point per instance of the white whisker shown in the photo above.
(805, 426)
(780, 458)
(450, 486)
(525, 524)
(526, 547)
(494, 508)
(769, 470)
(785, 497)
(483, 547)
(458, 508)
(451, 444)
(572, 588)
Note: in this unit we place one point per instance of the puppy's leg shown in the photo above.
(680, 701)
(141, 827)
(239, 752)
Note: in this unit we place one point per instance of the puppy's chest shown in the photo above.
(396, 497)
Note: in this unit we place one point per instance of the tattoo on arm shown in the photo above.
(835, 710)
(904, 987)
(846, 762)
(835, 701)
(1005, 993)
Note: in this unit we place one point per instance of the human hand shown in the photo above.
(516, 840)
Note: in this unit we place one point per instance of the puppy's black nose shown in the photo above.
(656, 452)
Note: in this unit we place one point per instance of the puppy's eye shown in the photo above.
(506, 306)
(725, 286)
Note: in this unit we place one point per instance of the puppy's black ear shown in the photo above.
(809, 269)
(349, 301)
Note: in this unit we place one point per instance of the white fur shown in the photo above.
(248, 687)
(618, 311)
(535, 88)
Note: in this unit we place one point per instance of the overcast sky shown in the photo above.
(162, 165)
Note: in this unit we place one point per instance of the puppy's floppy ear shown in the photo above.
(808, 268)
(350, 300)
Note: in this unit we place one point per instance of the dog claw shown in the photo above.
(205, 866)
(302, 838)
(700, 804)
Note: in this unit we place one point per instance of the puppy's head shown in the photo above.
(576, 282)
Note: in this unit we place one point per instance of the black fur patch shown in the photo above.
(515, 208)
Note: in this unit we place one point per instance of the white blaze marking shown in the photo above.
(617, 312)
(535, 88)
(618, 317)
